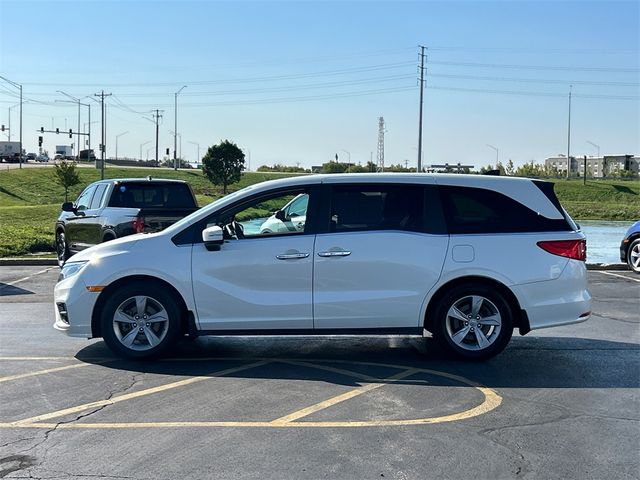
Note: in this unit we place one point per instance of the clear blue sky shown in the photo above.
(301, 81)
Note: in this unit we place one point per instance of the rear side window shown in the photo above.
(381, 207)
(477, 210)
(149, 195)
(97, 197)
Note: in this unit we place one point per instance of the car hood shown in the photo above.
(112, 247)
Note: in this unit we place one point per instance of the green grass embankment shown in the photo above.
(30, 200)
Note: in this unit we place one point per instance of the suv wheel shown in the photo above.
(473, 321)
(140, 321)
(62, 249)
(633, 255)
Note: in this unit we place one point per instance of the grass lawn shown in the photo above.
(30, 200)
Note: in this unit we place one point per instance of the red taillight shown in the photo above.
(575, 249)
(138, 225)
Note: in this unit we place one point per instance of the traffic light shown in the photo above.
(70, 133)
(39, 141)
(41, 129)
(57, 130)
(3, 128)
(167, 151)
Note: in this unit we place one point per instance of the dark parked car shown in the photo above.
(630, 247)
(110, 209)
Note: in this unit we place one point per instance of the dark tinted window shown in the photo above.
(377, 207)
(477, 210)
(148, 195)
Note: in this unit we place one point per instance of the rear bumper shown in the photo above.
(563, 301)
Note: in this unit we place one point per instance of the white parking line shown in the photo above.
(9, 284)
(620, 276)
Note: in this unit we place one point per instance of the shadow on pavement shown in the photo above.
(528, 362)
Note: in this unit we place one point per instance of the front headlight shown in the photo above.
(70, 269)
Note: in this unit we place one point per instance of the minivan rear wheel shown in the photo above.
(473, 321)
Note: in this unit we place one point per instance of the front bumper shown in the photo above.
(73, 301)
(623, 250)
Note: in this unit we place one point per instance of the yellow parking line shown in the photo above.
(340, 398)
(42, 372)
(341, 371)
(129, 396)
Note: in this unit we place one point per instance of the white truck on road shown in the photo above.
(65, 151)
(10, 151)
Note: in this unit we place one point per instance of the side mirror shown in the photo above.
(281, 216)
(213, 238)
(68, 207)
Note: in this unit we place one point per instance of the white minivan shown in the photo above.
(468, 258)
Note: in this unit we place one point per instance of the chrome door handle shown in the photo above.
(339, 253)
(291, 256)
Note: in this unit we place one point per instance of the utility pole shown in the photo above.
(19, 86)
(422, 70)
(157, 118)
(569, 136)
(381, 144)
(175, 129)
(104, 130)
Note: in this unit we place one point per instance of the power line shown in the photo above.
(344, 71)
(539, 67)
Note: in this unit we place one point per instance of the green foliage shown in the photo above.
(223, 164)
(278, 167)
(66, 176)
(334, 167)
(509, 169)
(27, 229)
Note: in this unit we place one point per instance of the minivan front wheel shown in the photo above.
(474, 322)
(140, 321)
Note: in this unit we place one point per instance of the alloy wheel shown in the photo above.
(473, 322)
(140, 323)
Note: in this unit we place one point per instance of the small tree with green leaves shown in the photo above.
(66, 176)
(223, 164)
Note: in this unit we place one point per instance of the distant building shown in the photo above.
(597, 167)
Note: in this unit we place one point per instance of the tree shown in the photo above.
(510, 169)
(223, 164)
(66, 176)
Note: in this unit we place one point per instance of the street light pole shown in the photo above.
(175, 129)
(198, 145)
(569, 136)
(118, 136)
(497, 153)
(9, 123)
(595, 145)
(17, 85)
(77, 100)
(142, 145)
(349, 164)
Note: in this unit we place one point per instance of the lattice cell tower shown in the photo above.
(380, 166)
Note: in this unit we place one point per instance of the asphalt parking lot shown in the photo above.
(560, 403)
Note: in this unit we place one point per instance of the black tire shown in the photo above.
(116, 334)
(62, 249)
(632, 255)
(461, 335)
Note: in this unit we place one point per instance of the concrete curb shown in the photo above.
(21, 262)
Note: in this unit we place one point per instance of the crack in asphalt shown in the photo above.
(134, 380)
